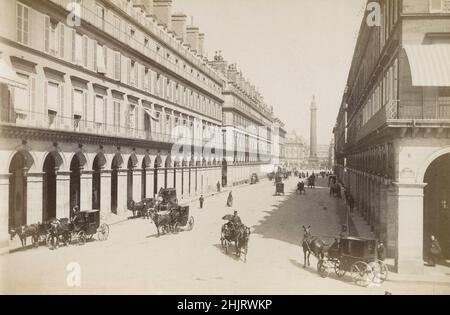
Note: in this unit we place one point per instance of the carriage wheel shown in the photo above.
(176, 227)
(89, 237)
(338, 269)
(191, 224)
(361, 273)
(81, 237)
(379, 271)
(322, 268)
(103, 232)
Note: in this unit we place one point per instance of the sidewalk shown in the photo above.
(112, 219)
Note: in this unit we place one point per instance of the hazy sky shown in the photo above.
(289, 49)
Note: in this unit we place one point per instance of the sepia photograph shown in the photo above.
(225, 147)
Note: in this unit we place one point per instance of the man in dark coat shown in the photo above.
(202, 199)
(435, 251)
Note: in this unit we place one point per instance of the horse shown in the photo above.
(161, 220)
(311, 244)
(242, 240)
(138, 207)
(26, 231)
(60, 228)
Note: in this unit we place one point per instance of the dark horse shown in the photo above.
(311, 244)
(162, 221)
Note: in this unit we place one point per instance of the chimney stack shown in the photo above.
(163, 12)
(179, 21)
(146, 5)
(201, 44)
(192, 36)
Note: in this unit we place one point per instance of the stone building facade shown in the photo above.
(90, 112)
(392, 134)
(295, 151)
(247, 126)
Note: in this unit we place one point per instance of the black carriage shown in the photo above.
(83, 227)
(279, 189)
(180, 218)
(254, 179)
(357, 256)
(167, 200)
(229, 234)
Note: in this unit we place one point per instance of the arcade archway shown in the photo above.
(437, 204)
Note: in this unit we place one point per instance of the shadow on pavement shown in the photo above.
(317, 208)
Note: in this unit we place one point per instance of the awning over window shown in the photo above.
(430, 64)
(8, 75)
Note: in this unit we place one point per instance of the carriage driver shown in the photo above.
(235, 221)
(76, 212)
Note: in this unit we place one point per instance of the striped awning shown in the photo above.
(430, 64)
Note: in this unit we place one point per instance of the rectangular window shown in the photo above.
(77, 48)
(117, 66)
(21, 97)
(117, 27)
(116, 118)
(100, 18)
(23, 23)
(99, 109)
(100, 59)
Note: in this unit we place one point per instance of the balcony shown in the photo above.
(89, 16)
(396, 113)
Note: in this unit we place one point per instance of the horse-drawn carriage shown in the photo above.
(82, 227)
(357, 256)
(237, 233)
(172, 220)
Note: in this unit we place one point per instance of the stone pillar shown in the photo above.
(179, 183)
(86, 190)
(63, 194)
(34, 197)
(410, 228)
(149, 189)
(160, 179)
(4, 213)
(122, 183)
(137, 184)
(186, 181)
(105, 192)
(170, 181)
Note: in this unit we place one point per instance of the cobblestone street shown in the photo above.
(135, 260)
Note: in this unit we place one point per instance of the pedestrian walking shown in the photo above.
(202, 200)
(351, 203)
(230, 200)
(435, 251)
(218, 186)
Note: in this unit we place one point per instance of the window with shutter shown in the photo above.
(78, 102)
(117, 66)
(100, 59)
(61, 41)
(53, 97)
(23, 23)
(100, 17)
(85, 51)
(116, 118)
(98, 109)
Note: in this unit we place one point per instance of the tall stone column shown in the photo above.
(105, 194)
(313, 159)
(63, 194)
(86, 190)
(409, 257)
(137, 184)
(34, 197)
(4, 213)
(122, 182)
(186, 181)
(170, 178)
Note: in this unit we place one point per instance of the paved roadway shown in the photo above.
(134, 260)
